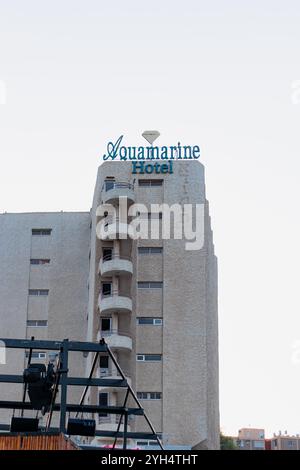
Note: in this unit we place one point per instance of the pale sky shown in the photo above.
(219, 74)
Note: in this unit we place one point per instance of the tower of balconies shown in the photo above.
(115, 271)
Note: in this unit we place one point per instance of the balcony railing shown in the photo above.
(106, 295)
(107, 373)
(105, 333)
(113, 419)
(113, 256)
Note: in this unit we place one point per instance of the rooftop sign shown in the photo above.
(117, 151)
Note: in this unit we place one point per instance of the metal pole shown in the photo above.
(120, 420)
(55, 390)
(132, 393)
(25, 385)
(63, 381)
(125, 430)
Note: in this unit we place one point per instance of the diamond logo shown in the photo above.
(150, 136)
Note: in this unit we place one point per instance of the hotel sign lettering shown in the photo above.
(141, 155)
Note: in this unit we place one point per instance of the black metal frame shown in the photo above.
(63, 381)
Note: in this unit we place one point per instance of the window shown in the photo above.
(37, 323)
(149, 395)
(148, 357)
(147, 183)
(149, 321)
(150, 285)
(105, 324)
(151, 250)
(106, 288)
(38, 291)
(290, 443)
(259, 444)
(107, 254)
(36, 355)
(41, 231)
(39, 261)
(103, 401)
(109, 183)
(104, 362)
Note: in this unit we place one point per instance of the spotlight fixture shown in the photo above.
(24, 424)
(81, 427)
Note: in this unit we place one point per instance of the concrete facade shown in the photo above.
(185, 378)
(152, 300)
(64, 274)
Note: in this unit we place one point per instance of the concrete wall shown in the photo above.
(187, 376)
(65, 308)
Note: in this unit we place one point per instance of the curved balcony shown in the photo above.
(111, 265)
(112, 375)
(112, 228)
(116, 339)
(117, 303)
(110, 423)
(115, 189)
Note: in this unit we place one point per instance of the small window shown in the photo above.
(41, 231)
(150, 285)
(149, 395)
(107, 254)
(38, 292)
(144, 250)
(39, 261)
(156, 285)
(105, 324)
(104, 362)
(149, 321)
(109, 183)
(36, 355)
(150, 250)
(106, 288)
(143, 285)
(103, 401)
(149, 183)
(37, 323)
(148, 357)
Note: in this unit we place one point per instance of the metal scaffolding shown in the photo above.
(62, 381)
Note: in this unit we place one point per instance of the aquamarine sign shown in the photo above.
(116, 151)
(141, 155)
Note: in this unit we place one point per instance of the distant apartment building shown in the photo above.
(251, 439)
(153, 301)
(285, 442)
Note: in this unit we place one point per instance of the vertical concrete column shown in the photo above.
(115, 285)
(114, 321)
(117, 248)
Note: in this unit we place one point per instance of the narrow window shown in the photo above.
(41, 231)
(103, 401)
(38, 292)
(40, 261)
(37, 323)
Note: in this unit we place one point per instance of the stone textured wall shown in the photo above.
(65, 308)
(188, 413)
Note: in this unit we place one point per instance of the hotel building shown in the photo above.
(154, 301)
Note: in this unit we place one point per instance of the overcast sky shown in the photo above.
(75, 74)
